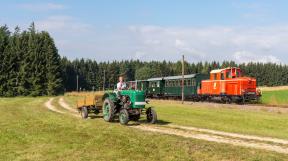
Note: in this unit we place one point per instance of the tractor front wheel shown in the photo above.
(108, 110)
(151, 115)
(84, 112)
(124, 117)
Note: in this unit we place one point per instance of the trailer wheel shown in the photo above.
(151, 115)
(108, 110)
(124, 117)
(84, 112)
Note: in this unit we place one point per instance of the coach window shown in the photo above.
(215, 76)
(188, 82)
(158, 84)
(193, 82)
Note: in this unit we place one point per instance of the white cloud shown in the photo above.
(61, 23)
(242, 44)
(213, 43)
(42, 6)
(246, 57)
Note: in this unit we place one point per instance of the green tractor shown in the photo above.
(127, 105)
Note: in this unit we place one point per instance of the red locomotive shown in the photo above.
(229, 85)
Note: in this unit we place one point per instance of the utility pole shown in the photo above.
(182, 79)
(104, 81)
(77, 78)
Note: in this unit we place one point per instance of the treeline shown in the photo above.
(91, 73)
(31, 65)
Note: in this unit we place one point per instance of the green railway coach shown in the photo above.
(192, 82)
(155, 87)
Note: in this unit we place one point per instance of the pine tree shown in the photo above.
(11, 66)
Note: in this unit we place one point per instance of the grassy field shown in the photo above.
(28, 131)
(256, 122)
(275, 97)
(263, 123)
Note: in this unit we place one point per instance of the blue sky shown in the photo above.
(203, 30)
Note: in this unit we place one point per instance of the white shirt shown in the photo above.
(121, 85)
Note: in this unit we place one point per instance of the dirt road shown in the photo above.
(251, 143)
(49, 105)
(66, 106)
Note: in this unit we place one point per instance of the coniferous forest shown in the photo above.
(32, 66)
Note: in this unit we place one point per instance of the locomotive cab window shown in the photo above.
(222, 76)
(228, 75)
(215, 76)
(238, 74)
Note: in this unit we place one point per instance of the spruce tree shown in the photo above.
(53, 66)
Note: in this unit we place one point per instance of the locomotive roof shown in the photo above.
(220, 70)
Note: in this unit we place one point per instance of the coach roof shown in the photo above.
(155, 79)
(180, 77)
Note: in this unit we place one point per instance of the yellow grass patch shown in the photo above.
(277, 88)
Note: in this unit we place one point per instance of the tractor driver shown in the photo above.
(121, 84)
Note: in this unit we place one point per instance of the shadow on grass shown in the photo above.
(141, 122)
(95, 116)
(132, 123)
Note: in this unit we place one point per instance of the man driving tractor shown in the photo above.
(121, 84)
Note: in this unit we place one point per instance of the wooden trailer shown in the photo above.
(91, 103)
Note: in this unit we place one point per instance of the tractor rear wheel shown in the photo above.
(151, 115)
(108, 110)
(84, 112)
(124, 117)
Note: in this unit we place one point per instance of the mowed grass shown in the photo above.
(262, 123)
(28, 131)
(276, 97)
